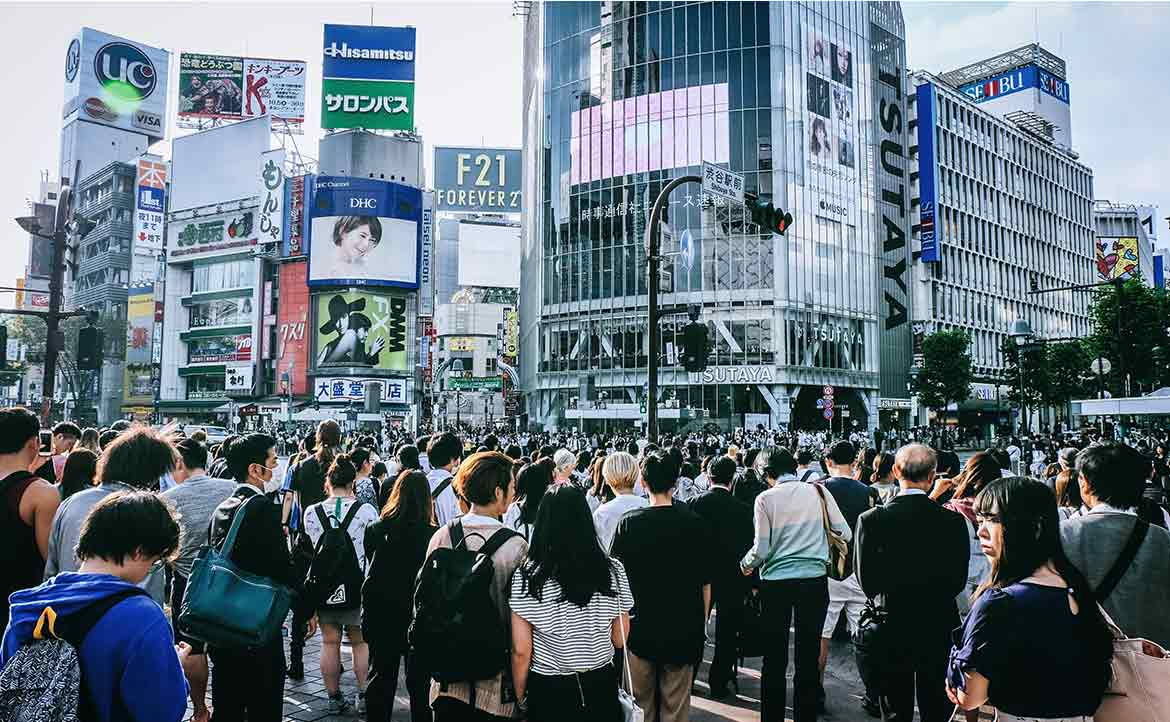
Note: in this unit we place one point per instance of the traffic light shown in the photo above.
(89, 348)
(768, 217)
(695, 346)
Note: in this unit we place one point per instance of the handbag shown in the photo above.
(839, 566)
(1139, 690)
(752, 631)
(226, 606)
(631, 712)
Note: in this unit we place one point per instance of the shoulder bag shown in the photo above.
(1140, 685)
(839, 566)
(874, 638)
(226, 606)
(631, 712)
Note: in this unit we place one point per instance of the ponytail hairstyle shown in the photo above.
(342, 472)
(883, 466)
(328, 441)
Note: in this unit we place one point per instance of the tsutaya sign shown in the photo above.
(735, 375)
(827, 332)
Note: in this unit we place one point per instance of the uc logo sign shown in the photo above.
(124, 64)
(72, 60)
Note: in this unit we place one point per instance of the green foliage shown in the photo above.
(1067, 372)
(1033, 357)
(946, 373)
(1130, 342)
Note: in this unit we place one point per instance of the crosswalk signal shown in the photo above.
(768, 217)
(695, 346)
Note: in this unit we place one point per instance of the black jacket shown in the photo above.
(732, 527)
(915, 553)
(396, 553)
(260, 545)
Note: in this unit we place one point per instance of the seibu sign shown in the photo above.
(735, 375)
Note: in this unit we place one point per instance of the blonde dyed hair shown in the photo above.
(620, 471)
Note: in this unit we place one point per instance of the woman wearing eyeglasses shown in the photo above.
(1035, 644)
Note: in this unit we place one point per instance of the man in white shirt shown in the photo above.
(804, 469)
(444, 453)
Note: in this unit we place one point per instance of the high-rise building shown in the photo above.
(1126, 241)
(1003, 210)
(807, 101)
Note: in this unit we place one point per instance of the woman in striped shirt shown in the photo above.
(570, 610)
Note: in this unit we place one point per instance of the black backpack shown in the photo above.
(335, 577)
(457, 633)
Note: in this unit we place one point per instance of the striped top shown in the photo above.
(567, 638)
(790, 531)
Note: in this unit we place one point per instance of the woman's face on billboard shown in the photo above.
(356, 243)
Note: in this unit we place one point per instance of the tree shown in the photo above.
(946, 373)
(1067, 365)
(1036, 372)
(1145, 315)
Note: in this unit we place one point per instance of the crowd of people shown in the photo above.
(573, 577)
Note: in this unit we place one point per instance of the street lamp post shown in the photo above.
(1021, 333)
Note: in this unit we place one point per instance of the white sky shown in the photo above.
(469, 74)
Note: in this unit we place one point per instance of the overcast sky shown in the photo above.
(469, 74)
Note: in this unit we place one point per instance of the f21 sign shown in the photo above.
(477, 180)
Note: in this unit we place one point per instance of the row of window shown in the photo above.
(99, 191)
(110, 244)
(1001, 276)
(220, 276)
(977, 311)
(103, 276)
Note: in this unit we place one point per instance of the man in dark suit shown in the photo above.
(252, 680)
(731, 523)
(914, 553)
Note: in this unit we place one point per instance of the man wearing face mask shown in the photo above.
(251, 681)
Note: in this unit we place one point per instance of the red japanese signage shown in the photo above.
(293, 334)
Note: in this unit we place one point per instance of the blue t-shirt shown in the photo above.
(1039, 658)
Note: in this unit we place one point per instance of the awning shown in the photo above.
(1155, 404)
(208, 370)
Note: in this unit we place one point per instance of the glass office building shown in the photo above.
(807, 101)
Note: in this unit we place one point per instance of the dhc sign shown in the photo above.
(1014, 81)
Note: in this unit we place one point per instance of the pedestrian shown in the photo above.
(531, 484)
(89, 440)
(882, 479)
(672, 593)
(194, 498)
(137, 459)
(396, 547)
(300, 548)
(340, 612)
(1035, 645)
(791, 551)
(65, 436)
(568, 582)
(599, 492)
(748, 484)
(364, 489)
(1123, 557)
(27, 505)
(249, 682)
(444, 452)
(405, 459)
(564, 467)
(130, 669)
(485, 482)
(981, 470)
(620, 471)
(804, 469)
(79, 472)
(915, 554)
(730, 522)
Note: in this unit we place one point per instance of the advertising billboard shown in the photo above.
(363, 328)
(657, 131)
(217, 164)
(220, 349)
(230, 87)
(426, 285)
(292, 324)
(368, 77)
(1117, 258)
(926, 176)
(149, 217)
(831, 114)
(296, 189)
(116, 82)
(489, 255)
(478, 180)
(351, 389)
(211, 235)
(364, 232)
(139, 324)
(270, 182)
(1015, 81)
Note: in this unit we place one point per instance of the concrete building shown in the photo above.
(1126, 244)
(1002, 209)
(618, 99)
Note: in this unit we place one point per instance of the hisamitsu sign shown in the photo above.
(478, 180)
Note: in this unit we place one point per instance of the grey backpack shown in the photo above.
(42, 681)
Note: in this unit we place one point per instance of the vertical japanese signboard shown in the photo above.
(292, 323)
(368, 77)
(294, 217)
(149, 215)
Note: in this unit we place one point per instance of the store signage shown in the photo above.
(893, 403)
(460, 343)
(372, 104)
(476, 383)
(1014, 81)
(426, 289)
(238, 378)
(149, 218)
(368, 78)
(926, 165)
(116, 82)
(827, 332)
(480, 180)
(354, 389)
(271, 182)
(294, 221)
(735, 375)
(211, 235)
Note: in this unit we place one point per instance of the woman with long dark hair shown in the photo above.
(78, 474)
(599, 492)
(1035, 645)
(531, 484)
(396, 546)
(882, 479)
(981, 470)
(570, 610)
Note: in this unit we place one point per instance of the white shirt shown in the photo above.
(336, 508)
(607, 516)
(446, 504)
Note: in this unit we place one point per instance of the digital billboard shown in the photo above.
(368, 77)
(477, 180)
(657, 131)
(116, 82)
(489, 255)
(363, 328)
(926, 165)
(1117, 258)
(364, 232)
(230, 87)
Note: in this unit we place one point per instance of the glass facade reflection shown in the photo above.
(622, 97)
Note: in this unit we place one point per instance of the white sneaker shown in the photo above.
(359, 703)
(339, 705)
